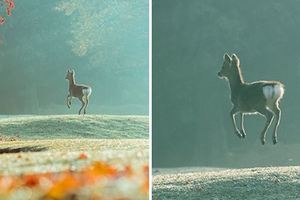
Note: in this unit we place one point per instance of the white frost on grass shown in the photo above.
(74, 126)
(51, 143)
(57, 161)
(59, 143)
(252, 183)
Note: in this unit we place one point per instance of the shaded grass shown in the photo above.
(22, 149)
(81, 144)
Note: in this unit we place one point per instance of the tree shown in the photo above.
(105, 29)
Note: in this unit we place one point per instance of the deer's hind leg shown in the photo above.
(86, 104)
(242, 129)
(82, 104)
(269, 116)
(277, 113)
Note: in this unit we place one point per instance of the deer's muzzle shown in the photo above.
(219, 75)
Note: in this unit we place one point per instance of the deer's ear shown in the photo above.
(235, 59)
(226, 57)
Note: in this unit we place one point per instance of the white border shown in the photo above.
(150, 99)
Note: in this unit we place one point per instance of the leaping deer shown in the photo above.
(82, 92)
(250, 98)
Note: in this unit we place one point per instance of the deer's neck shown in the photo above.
(71, 82)
(236, 82)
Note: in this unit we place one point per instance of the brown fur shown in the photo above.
(250, 98)
(76, 90)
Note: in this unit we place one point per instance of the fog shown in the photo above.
(191, 124)
(105, 42)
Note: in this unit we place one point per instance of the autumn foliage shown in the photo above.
(8, 5)
(98, 180)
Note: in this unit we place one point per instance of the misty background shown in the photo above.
(105, 42)
(191, 124)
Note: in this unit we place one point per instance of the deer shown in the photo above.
(259, 97)
(82, 92)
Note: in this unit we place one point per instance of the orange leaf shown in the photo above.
(82, 156)
(2, 20)
(128, 171)
(146, 170)
(8, 11)
(31, 180)
(11, 4)
(145, 187)
(60, 188)
(102, 169)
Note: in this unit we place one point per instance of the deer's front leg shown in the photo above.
(69, 97)
(232, 115)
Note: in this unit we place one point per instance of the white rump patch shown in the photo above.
(273, 92)
(268, 91)
(87, 92)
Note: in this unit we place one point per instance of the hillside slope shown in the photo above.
(98, 156)
(74, 126)
(229, 184)
(48, 142)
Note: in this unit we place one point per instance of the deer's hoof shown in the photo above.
(275, 141)
(238, 134)
(243, 133)
(263, 142)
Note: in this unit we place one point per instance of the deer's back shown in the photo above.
(77, 90)
(255, 95)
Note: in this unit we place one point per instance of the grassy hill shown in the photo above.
(68, 135)
(74, 126)
(268, 183)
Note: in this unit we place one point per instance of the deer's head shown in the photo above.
(70, 74)
(230, 66)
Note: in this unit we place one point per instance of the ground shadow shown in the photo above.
(22, 149)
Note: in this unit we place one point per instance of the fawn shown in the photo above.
(82, 92)
(260, 97)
